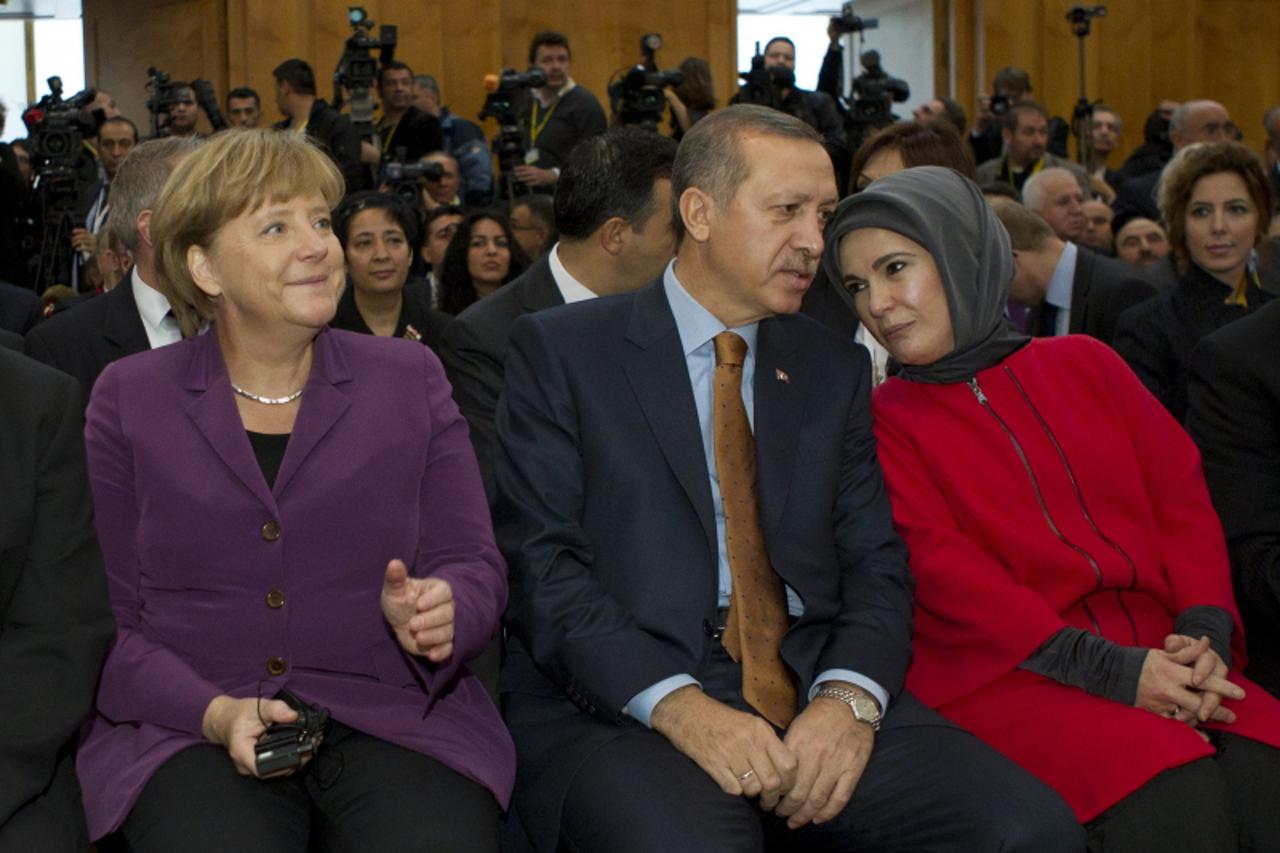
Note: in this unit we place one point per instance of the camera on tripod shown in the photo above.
(874, 91)
(357, 70)
(57, 128)
(402, 179)
(501, 106)
(763, 85)
(636, 99)
(847, 23)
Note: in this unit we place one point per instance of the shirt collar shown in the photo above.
(696, 325)
(564, 90)
(1060, 285)
(571, 289)
(151, 303)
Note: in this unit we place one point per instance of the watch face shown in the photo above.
(866, 707)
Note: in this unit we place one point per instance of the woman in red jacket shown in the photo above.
(1073, 602)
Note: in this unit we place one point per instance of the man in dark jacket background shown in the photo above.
(305, 113)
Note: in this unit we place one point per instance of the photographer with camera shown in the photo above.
(560, 113)
(774, 85)
(183, 112)
(463, 140)
(306, 113)
(1026, 137)
(404, 131)
(116, 138)
(1011, 85)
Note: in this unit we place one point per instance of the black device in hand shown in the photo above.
(284, 746)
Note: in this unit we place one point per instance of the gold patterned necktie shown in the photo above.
(758, 605)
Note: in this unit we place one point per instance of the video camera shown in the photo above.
(874, 90)
(357, 70)
(163, 94)
(847, 23)
(762, 85)
(500, 105)
(401, 178)
(64, 169)
(637, 99)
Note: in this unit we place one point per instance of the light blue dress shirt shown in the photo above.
(698, 328)
(1060, 286)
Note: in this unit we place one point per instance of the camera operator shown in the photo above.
(446, 189)
(1011, 85)
(1026, 135)
(463, 140)
(816, 109)
(116, 138)
(106, 102)
(306, 113)
(560, 114)
(404, 126)
(183, 112)
(244, 107)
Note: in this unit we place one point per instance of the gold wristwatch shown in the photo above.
(864, 706)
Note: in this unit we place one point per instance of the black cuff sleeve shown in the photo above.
(1205, 620)
(1096, 665)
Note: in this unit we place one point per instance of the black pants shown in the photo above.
(928, 786)
(1225, 803)
(360, 794)
(51, 823)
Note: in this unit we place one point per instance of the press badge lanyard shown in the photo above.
(535, 126)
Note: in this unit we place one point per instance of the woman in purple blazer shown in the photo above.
(286, 507)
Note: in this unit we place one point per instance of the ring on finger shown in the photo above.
(1173, 712)
(742, 777)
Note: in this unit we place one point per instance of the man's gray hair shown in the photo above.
(428, 83)
(710, 157)
(138, 182)
(1182, 113)
(1033, 192)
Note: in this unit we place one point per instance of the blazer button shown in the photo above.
(271, 531)
(275, 599)
(276, 666)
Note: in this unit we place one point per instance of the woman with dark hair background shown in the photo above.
(693, 98)
(482, 256)
(907, 144)
(380, 237)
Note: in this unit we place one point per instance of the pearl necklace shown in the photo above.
(266, 401)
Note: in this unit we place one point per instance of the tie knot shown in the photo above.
(730, 349)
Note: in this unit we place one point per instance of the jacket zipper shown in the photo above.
(1035, 486)
(1084, 508)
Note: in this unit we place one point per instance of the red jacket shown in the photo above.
(1054, 491)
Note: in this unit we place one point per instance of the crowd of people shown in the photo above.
(784, 488)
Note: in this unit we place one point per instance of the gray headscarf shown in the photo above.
(946, 213)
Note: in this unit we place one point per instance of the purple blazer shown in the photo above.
(218, 583)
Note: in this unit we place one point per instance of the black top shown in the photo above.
(574, 117)
(339, 139)
(268, 449)
(417, 132)
(418, 320)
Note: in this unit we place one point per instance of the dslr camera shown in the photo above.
(846, 22)
(284, 746)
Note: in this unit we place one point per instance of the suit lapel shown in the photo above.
(781, 383)
(659, 377)
(215, 415)
(540, 290)
(322, 405)
(1080, 290)
(122, 324)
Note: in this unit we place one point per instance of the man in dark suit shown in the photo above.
(1070, 290)
(697, 664)
(404, 127)
(1234, 392)
(612, 209)
(19, 308)
(55, 620)
(133, 316)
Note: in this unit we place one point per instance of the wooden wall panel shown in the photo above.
(1141, 52)
(238, 42)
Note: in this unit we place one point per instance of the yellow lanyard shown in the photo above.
(386, 140)
(535, 126)
(1009, 172)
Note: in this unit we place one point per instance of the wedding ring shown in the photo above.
(745, 776)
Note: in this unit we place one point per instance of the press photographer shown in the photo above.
(404, 131)
(560, 113)
(771, 82)
(502, 104)
(305, 113)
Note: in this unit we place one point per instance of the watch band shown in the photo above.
(850, 697)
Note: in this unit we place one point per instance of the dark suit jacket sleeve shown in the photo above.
(830, 72)
(142, 680)
(457, 545)
(1144, 345)
(577, 632)
(872, 630)
(1235, 418)
(58, 624)
(476, 376)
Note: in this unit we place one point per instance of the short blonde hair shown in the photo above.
(236, 171)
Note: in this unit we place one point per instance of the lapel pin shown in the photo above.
(781, 375)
